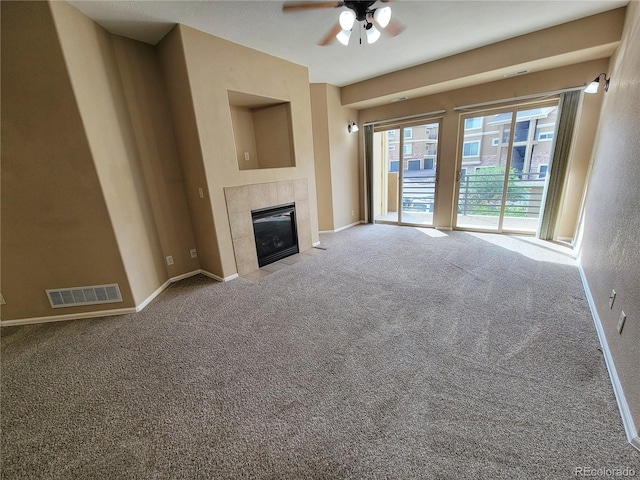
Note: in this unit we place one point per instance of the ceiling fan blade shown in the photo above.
(330, 36)
(394, 28)
(290, 7)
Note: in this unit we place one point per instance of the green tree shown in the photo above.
(481, 193)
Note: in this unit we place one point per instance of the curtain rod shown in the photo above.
(524, 97)
(410, 117)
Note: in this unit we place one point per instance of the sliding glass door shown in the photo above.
(505, 157)
(405, 174)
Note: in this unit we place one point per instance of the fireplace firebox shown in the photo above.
(275, 232)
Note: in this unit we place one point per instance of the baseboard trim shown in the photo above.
(115, 311)
(342, 228)
(347, 226)
(623, 406)
(69, 316)
(150, 298)
(184, 275)
(216, 277)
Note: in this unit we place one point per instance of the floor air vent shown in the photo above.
(78, 296)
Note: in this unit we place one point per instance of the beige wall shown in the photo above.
(94, 74)
(185, 126)
(274, 142)
(344, 160)
(105, 200)
(198, 96)
(147, 105)
(322, 155)
(245, 137)
(56, 228)
(574, 42)
(337, 165)
(611, 223)
(534, 83)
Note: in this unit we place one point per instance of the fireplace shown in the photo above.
(275, 233)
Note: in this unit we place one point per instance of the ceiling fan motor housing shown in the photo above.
(361, 9)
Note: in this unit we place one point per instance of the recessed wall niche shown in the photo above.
(262, 131)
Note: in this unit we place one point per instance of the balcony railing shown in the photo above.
(418, 192)
(481, 194)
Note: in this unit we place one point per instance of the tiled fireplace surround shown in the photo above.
(243, 199)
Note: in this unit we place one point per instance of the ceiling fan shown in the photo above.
(374, 19)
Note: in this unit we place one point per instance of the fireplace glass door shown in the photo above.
(275, 233)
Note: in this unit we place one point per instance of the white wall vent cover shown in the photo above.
(78, 296)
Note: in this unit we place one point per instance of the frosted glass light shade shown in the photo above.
(373, 34)
(592, 87)
(343, 37)
(382, 16)
(346, 19)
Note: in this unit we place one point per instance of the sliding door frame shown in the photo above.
(514, 109)
(400, 125)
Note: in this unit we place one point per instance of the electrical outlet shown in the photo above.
(193, 252)
(621, 321)
(246, 156)
(612, 298)
(200, 192)
(169, 260)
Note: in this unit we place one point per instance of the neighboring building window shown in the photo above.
(522, 131)
(394, 166)
(505, 135)
(413, 165)
(471, 149)
(392, 148)
(542, 136)
(391, 134)
(408, 133)
(408, 149)
(495, 142)
(463, 173)
(543, 171)
(428, 164)
(473, 123)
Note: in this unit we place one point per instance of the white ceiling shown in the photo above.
(433, 29)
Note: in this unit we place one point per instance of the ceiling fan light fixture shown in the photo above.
(373, 34)
(343, 37)
(382, 16)
(346, 20)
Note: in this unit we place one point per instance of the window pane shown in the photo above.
(522, 131)
(470, 149)
(471, 123)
